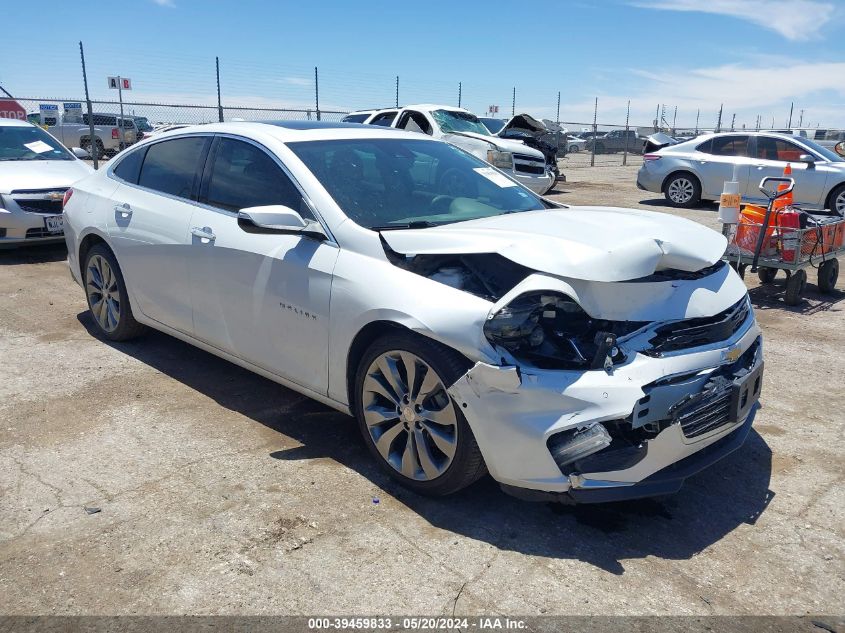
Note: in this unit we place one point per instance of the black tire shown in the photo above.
(682, 190)
(795, 286)
(467, 464)
(126, 326)
(767, 275)
(836, 200)
(98, 144)
(828, 275)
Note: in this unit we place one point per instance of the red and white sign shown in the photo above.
(120, 83)
(11, 109)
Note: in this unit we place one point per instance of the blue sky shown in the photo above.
(755, 56)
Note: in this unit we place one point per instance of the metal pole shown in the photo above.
(120, 123)
(459, 94)
(657, 119)
(559, 132)
(719, 122)
(791, 105)
(800, 121)
(627, 120)
(219, 102)
(697, 114)
(733, 122)
(513, 102)
(397, 91)
(674, 119)
(317, 92)
(595, 115)
(6, 92)
(92, 138)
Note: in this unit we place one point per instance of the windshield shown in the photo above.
(494, 125)
(408, 183)
(825, 152)
(452, 121)
(30, 143)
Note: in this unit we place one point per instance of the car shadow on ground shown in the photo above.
(709, 506)
(704, 205)
(34, 254)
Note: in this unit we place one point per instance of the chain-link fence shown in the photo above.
(161, 93)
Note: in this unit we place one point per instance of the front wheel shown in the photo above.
(410, 424)
(828, 275)
(108, 300)
(682, 190)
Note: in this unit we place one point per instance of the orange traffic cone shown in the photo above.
(784, 201)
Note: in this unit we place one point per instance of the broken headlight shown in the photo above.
(551, 331)
(502, 160)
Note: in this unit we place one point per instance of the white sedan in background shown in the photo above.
(576, 354)
(35, 172)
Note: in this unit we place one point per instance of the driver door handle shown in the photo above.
(204, 233)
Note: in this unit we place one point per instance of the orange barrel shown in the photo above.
(750, 222)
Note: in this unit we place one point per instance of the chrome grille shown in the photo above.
(529, 164)
(39, 200)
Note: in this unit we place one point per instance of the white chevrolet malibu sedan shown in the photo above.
(576, 354)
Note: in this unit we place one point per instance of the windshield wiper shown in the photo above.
(416, 224)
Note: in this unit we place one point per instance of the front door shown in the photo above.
(771, 156)
(261, 297)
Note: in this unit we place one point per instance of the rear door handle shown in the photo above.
(204, 233)
(124, 210)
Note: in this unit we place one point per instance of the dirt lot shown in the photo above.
(221, 492)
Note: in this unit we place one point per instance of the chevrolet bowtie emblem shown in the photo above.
(55, 196)
(731, 354)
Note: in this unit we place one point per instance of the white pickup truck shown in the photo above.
(465, 130)
(75, 132)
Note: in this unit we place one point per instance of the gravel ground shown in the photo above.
(152, 478)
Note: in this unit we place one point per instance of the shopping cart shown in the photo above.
(769, 246)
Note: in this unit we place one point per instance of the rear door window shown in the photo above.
(129, 167)
(242, 175)
(174, 166)
(729, 146)
(384, 118)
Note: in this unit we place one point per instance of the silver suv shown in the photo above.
(696, 170)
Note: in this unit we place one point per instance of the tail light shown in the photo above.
(115, 133)
(66, 198)
(647, 157)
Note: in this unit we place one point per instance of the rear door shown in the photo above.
(715, 161)
(149, 226)
(262, 297)
(772, 154)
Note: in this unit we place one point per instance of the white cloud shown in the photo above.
(164, 3)
(794, 19)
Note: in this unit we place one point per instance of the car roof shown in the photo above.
(292, 131)
(15, 123)
(434, 106)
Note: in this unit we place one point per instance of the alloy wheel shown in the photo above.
(681, 190)
(839, 203)
(103, 293)
(410, 417)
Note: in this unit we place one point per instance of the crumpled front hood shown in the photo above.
(41, 174)
(591, 243)
(504, 144)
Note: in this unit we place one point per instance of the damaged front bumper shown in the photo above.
(670, 416)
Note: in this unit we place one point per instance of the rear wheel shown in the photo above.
(682, 190)
(410, 424)
(828, 275)
(108, 300)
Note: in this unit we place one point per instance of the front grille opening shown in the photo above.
(690, 333)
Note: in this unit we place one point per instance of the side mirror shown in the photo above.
(807, 158)
(278, 219)
(79, 152)
(839, 148)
